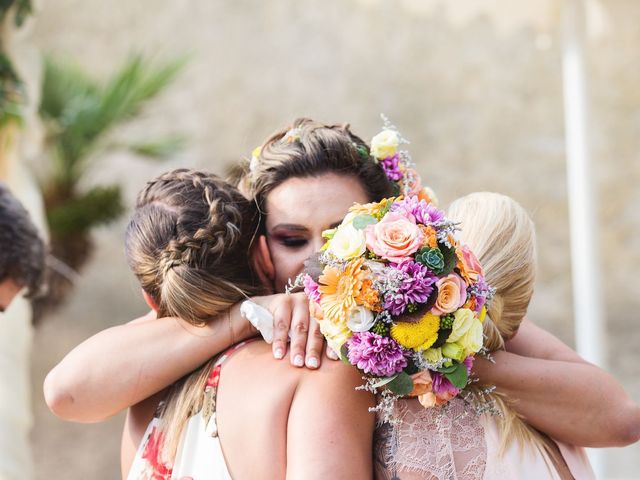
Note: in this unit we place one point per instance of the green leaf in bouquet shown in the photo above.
(447, 368)
(450, 259)
(459, 376)
(384, 381)
(361, 221)
(344, 354)
(401, 385)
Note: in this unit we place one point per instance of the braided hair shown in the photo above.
(188, 242)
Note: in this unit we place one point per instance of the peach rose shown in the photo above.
(452, 294)
(422, 389)
(394, 238)
(469, 265)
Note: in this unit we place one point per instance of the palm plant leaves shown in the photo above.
(80, 111)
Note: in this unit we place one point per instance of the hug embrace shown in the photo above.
(428, 305)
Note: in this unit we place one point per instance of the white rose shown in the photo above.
(385, 144)
(360, 319)
(348, 242)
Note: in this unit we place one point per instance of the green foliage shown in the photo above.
(79, 112)
(98, 206)
(24, 8)
(402, 384)
(457, 375)
(361, 221)
(161, 149)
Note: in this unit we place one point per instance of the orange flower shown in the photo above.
(339, 290)
(468, 264)
(373, 209)
(430, 237)
(369, 297)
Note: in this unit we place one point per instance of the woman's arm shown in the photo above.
(561, 394)
(123, 365)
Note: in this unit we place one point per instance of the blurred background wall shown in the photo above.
(477, 91)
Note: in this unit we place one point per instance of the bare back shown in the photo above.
(277, 422)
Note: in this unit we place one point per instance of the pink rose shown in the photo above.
(470, 267)
(452, 294)
(394, 238)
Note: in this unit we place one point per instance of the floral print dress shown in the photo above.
(199, 455)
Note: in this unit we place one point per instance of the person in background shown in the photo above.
(22, 251)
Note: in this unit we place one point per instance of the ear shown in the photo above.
(150, 301)
(261, 262)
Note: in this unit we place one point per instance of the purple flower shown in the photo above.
(311, 289)
(481, 291)
(416, 287)
(376, 355)
(391, 167)
(420, 210)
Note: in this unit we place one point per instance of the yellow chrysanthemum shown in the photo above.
(417, 336)
(339, 289)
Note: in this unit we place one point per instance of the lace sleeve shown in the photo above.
(430, 444)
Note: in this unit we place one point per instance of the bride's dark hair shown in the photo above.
(307, 149)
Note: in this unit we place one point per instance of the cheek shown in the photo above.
(287, 263)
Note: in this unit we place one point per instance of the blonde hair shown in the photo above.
(307, 149)
(188, 243)
(502, 236)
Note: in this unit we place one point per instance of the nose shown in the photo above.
(317, 243)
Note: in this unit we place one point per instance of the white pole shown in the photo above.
(589, 325)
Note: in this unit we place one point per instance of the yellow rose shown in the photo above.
(462, 321)
(432, 355)
(454, 351)
(472, 340)
(336, 334)
(385, 144)
(347, 242)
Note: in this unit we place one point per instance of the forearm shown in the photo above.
(574, 402)
(124, 365)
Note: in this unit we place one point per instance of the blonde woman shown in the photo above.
(451, 443)
(303, 182)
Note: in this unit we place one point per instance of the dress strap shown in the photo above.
(211, 388)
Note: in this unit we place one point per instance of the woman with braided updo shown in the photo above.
(303, 180)
(188, 243)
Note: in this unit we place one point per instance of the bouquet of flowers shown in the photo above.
(400, 297)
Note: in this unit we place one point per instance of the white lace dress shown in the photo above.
(434, 444)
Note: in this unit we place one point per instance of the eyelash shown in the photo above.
(293, 242)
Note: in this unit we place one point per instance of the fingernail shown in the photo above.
(279, 353)
(312, 362)
(298, 361)
(332, 355)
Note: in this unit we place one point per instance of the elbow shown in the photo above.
(626, 429)
(630, 432)
(58, 397)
